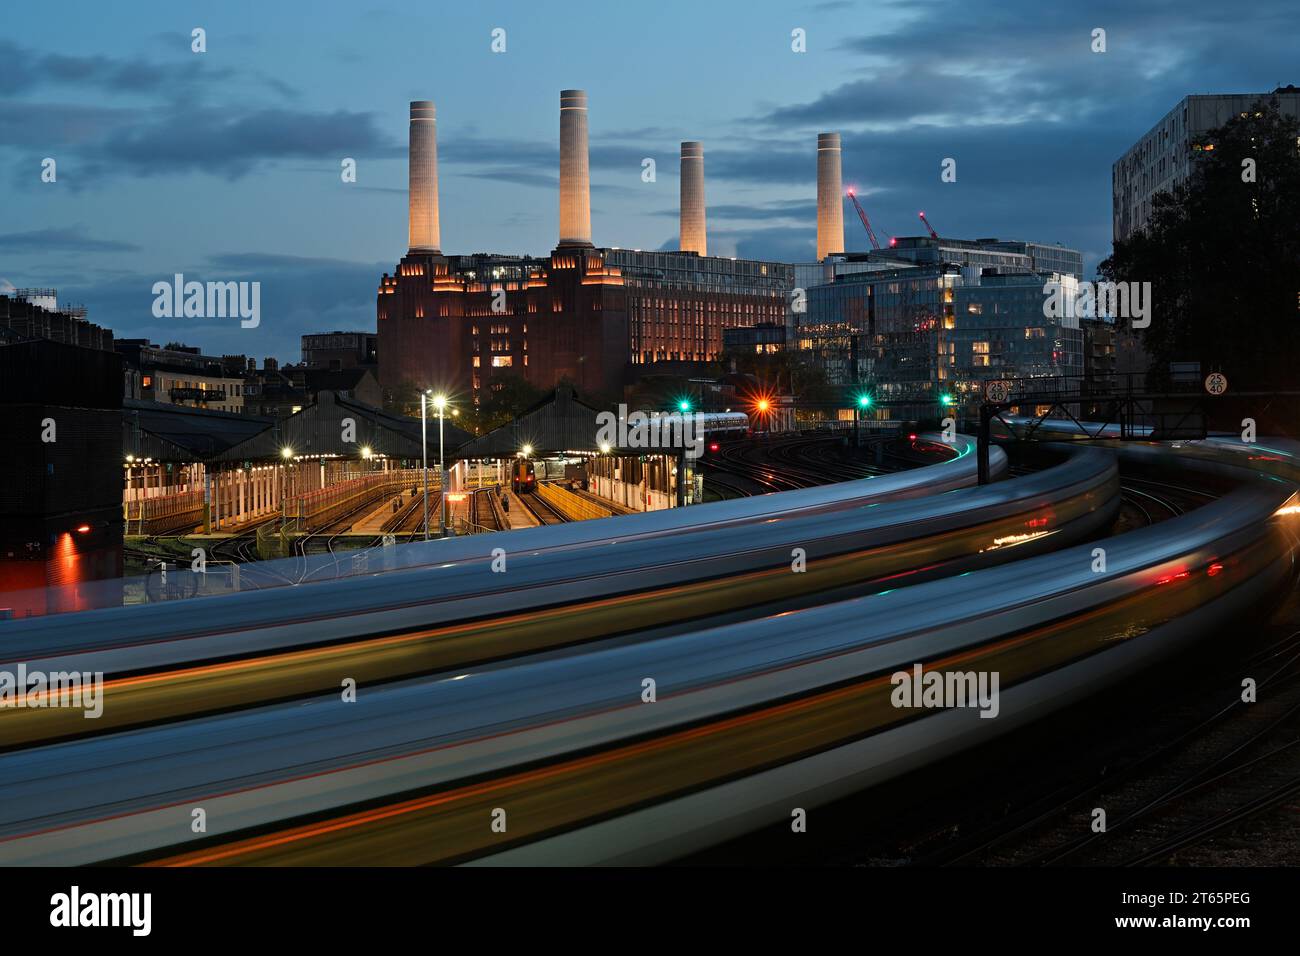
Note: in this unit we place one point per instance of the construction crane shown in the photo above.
(933, 234)
(866, 223)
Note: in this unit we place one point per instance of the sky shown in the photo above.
(225, 165)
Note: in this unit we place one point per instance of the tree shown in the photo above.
(505, 398)
(1222, 254)
(403, 399)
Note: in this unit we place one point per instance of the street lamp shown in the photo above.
(287, 454)
(424, 460)
(440, 403)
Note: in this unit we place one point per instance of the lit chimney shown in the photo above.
(575, 175)
(694, 237)
(422, 200)
(830, 196)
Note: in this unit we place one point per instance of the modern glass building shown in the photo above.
(942, 328)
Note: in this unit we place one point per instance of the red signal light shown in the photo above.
(911, 437)
(714, 446)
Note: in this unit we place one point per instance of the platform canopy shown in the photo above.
(558, 423)
(176, 433)
(324, 429)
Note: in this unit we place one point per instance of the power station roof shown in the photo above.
(559, 422)
(343, 427)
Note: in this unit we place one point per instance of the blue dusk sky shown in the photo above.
(225, 165)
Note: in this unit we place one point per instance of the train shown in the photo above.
(716, 758)
(523, 476)
(723, 424)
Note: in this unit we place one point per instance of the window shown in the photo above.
(501, 361)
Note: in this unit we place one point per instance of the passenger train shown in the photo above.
(523, 476)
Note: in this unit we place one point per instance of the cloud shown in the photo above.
(299, 294)
(67, 239)
(29, 69)
(60, 125)
(758, 211)
(231, 142)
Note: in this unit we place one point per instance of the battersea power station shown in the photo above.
(598, 317)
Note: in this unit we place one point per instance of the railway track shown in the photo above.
(1191, 781)
(486, 512)
(759, 467)
(544, 513)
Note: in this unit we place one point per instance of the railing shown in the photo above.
(570, 505)
(315, 508)
(151, 515)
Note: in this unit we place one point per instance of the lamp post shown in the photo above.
(440, 403)
(424, 458)
(286, 453)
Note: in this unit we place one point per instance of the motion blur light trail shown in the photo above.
(627, 584)
(750, 719)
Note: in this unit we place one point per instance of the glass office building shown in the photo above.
(943, 328)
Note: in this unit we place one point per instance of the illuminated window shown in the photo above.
(502, 361)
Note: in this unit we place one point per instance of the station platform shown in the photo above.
(373, 522)
(520, 517)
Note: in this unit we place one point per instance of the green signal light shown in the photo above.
(946, 399)
(864, 401)
(684, 405)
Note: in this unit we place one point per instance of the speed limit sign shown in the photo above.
(997, 391)
(1216, 383)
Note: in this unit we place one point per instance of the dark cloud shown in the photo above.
(27, 69)
(298, 295)
(758, 211)
(232, 142)
(67, 239)
(60, 125)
